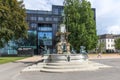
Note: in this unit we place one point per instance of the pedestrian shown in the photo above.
(99, 55)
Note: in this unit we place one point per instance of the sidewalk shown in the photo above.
(31, 59)
(104, 56)
(91, 56)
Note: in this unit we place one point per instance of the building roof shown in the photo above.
(43, 11)
(106, 36)
(109, 36)
(38, 12)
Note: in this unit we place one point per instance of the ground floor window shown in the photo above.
(13, 46)
(31, 40)
(9, 48)
(45, 38)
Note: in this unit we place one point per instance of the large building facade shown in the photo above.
(109, 42)
(43, 26)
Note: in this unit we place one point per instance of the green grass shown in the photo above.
(9, 59)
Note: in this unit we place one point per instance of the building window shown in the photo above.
(112, 45)
(55, 25)
(62, 12)
(45, 38)
(55, 19)
(48, 19)
(29, 42)
(33, 18)
(45, 28)
(33, 25)
(40, 18)
(55, 11)
(112, 40)
(11, 47)
(102, 40)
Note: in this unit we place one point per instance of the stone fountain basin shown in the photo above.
(64, 58)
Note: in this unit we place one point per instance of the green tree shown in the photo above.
(117, 44)
(31, 40)
(12, 21)
(79, 18)
(101, 47)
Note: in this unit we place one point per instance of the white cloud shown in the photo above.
(107, 12)
(115, 29)
(107, 15)
(41, 4)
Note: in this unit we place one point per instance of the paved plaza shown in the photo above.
(103, 74)
(12, 71)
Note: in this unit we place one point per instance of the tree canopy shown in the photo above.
(101, 47)
(79, 18)
(12, 21)
(117, 44)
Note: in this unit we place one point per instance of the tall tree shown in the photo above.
(101, 47)
(79, 18)
(117, 44)
(12, 21)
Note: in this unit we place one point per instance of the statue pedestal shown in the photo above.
(63, 47)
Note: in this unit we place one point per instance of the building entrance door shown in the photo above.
(44, 37)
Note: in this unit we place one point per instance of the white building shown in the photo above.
(109, 42)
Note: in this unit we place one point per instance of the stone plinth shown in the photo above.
(64, 58)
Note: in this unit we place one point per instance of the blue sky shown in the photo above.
(107, 12)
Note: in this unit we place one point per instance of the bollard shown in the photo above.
(68, 58)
